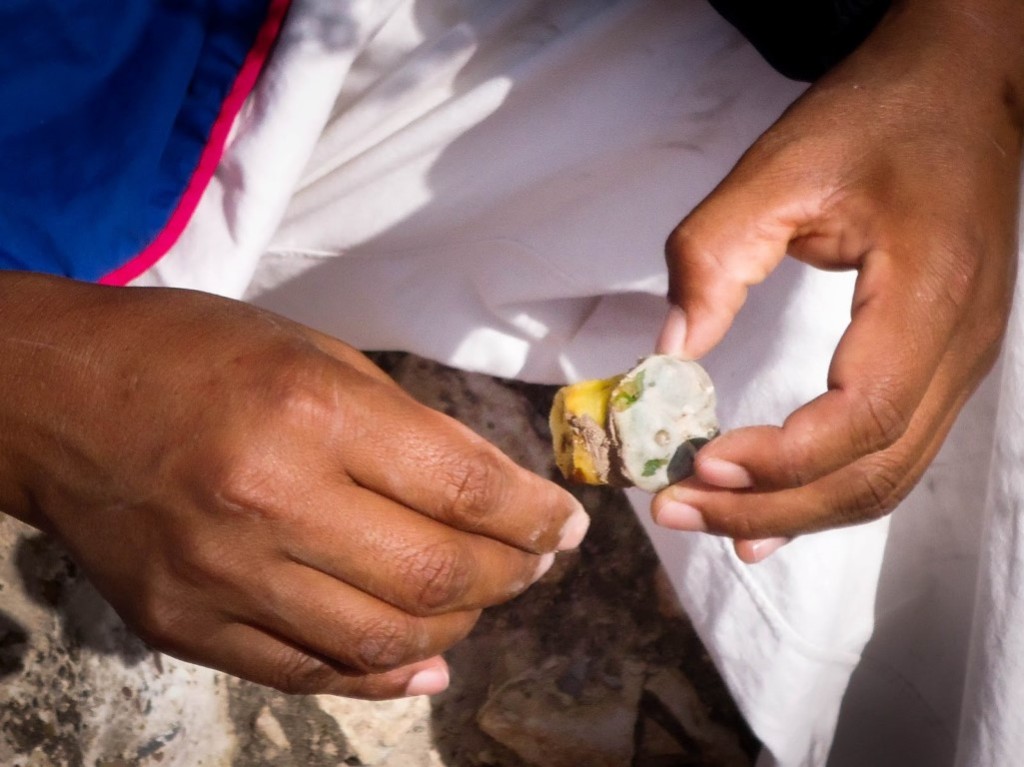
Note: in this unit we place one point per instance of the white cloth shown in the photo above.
(489, 184)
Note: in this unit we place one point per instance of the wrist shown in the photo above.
(943, 74)
(975, 45)
(32, 332)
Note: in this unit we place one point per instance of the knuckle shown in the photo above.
(680, 243)
(204, 561)
(796, 456)
(385, 643)
(299, 674)
(302, 393)
(244, 484)
(740, 517)
(885, 422)
(685, 248)
(742, 526)
(471, 486)
(294, 387)
(441, 574)
(879, 491)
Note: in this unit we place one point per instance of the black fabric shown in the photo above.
(803, 39)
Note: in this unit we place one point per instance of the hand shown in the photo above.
(255, 496)
(904, 164)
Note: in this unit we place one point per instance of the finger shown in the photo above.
(260, 657)
(752, 552)
(339, 622)
(730, 242)
(440, 468)
(883, 366)
(863, 491)
(413, 562)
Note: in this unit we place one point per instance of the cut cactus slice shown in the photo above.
(642, 428)
(579, 419)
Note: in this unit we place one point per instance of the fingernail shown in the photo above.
(545, 563)
(574, 530)
(680, 516)
(673, 332)
(428, 682)
(724, 474)
(766, 547)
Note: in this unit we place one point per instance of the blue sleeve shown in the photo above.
(105, 109)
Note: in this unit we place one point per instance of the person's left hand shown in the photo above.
(904, 164)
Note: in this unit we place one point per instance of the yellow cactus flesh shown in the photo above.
(580, 416)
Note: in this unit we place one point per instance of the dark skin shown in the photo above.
(258, 497)
(903, 163)
(255, 496)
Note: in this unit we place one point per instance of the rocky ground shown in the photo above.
(594, 666)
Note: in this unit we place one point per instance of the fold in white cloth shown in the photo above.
(490, 184)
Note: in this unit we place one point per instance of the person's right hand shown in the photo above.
(903, 163)
(255, 496)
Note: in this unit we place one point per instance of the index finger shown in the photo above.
(728, 244)
(900, 328)
(433, 464)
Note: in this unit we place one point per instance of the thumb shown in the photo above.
(734, 239)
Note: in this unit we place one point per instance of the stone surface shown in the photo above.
(594, 659)
(78, 689)
(679, 704)
(562, 714)
(385, 732)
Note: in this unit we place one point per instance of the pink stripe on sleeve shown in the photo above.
(212, 153)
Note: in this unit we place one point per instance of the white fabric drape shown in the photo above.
(489, 184)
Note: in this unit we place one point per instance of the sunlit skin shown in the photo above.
(904, 164)
(255, 496)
